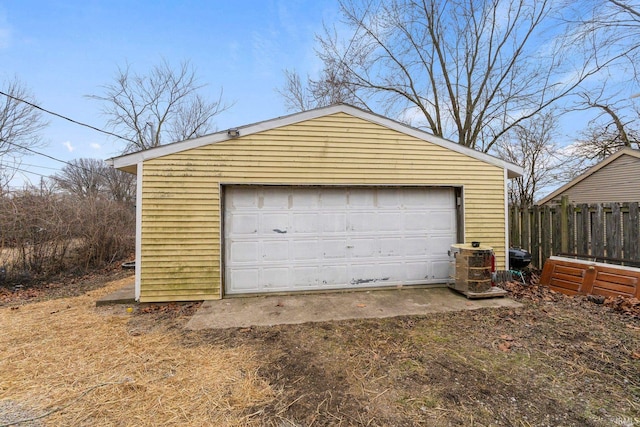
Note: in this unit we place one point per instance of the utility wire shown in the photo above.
(62, 117)
(66, 118)
(36, 152)
(38, 166)
(31, 173)
(52, 158)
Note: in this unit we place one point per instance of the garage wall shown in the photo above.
(181, 221)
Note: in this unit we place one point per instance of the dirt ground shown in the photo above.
(555, 361)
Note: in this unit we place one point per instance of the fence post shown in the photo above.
(546, 232)
(585, 228)
(597, 232)
(564, 224)
(613, 226)
(634, 232)
(525, 241)
(514, 226)
(535, 237)
(571, 229)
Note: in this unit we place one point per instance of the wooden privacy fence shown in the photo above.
(603, 232)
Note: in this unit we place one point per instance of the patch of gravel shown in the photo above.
(12, 413)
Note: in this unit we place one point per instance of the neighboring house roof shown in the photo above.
(128, 162)
(607, 181)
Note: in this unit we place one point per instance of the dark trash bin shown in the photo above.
(518, 258)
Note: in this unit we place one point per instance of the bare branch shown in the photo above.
(162, 106)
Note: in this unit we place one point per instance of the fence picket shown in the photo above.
(634, 232)
(613, 237)
(535, 237)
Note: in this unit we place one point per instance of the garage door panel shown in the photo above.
(363, 248)
(245, 280)
(416, 221)
(333, 198)
(245, 224)
(305, 199)
(245, 199)
(333, 222)
(275, 250)
(441, 197)
(332, 274)
(417, 271)
(274, 222)
(362, 222)
(417, 199)
(306, 222)
(244, 251)
(440, 268)
(416, 247)
(334, 249)
(389, 221)
(306, 250)
(391, 247)
(274, 201)
(387, 198)
(366, 274)
(305, 277)
(360, 198)
(438, 246)
(275, 278)
(295, 238)
(441, 220)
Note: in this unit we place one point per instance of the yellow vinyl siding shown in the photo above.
(181, 210)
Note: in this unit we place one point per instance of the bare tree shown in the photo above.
(93, 178)
(20, 127)
(332, 87)
(81, 177)
(609, 28)
(119, 186)
(531, 144)
(615, 127)
(162, 106)
(466, 70)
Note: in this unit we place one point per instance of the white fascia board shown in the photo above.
(140, 156)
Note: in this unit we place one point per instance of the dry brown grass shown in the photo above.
(69, 360)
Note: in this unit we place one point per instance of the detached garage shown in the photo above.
(333, 198)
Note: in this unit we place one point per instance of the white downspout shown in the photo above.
(138, 229)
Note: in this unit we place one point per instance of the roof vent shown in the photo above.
(233, 133)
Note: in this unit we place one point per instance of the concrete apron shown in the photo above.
(292, 309)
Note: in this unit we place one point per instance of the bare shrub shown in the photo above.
(43, 233)
(105, 231)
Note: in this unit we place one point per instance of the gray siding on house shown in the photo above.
(619, 181)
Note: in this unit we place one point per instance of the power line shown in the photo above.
(31, 173)
(66, 118)
(37, 152)
(38, 166)
(53, 158)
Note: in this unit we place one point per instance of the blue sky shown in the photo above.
(64, 50)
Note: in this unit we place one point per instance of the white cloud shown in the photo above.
(68, 146)
(95, 146)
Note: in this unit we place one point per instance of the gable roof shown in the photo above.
(593, 169)
(128, 161)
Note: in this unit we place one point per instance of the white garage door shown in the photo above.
(284, 239)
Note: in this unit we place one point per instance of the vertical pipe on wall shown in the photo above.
(138, 229)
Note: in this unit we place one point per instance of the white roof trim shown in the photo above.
(593, 169)
(140, 156)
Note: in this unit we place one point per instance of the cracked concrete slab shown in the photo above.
(319, 307)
